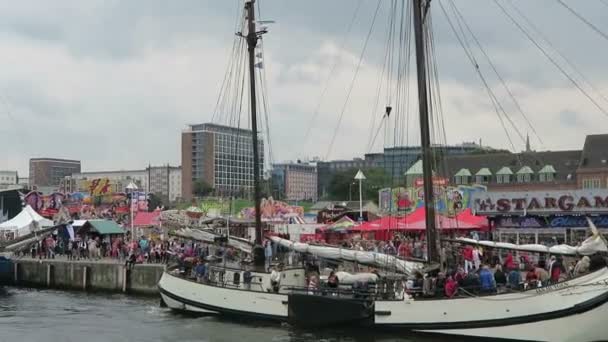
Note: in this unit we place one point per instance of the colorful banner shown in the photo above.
(552, 221)
(215, 207)
(274, 210)
(98, 186)
(450, 200)
(541, 202)
(85, 206)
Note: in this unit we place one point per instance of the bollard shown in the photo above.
(16, 274)
(85, 270)
(48, 275)
(125, 274)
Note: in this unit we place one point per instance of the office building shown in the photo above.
(165, 181)
(50, 172)
(9, 178)
(295, 181)
(221, 156)
(395, 161)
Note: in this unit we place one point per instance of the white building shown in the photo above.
(9, 178)
(165, 181)
(295, 181)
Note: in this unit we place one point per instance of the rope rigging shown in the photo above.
(495, 70)
(547, 42)
(495, 103)
(551, 59)
(330, 75)
(352, 83)
(583, 19)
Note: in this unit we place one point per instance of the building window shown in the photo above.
(546, 177)
(461, 180)
(524, 178)
(594, 183)
(503, 179)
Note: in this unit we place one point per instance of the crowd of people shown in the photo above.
(482, 272)
(96, 247)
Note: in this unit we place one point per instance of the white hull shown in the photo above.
(187, 295)
(585, 327)
(572, 311)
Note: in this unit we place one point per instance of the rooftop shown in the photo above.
(563, 162)
(54, 160)
(595, 152)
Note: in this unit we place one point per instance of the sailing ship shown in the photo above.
(226, 291)
(573, 310)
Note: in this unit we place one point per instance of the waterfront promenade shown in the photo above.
(104, 274)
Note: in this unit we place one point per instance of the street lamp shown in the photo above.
(132, 188)
(350, 192)
(360, 177)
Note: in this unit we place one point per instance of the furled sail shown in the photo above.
(208, 236)
(367, 258)
(592, 245)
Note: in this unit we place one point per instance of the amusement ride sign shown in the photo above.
(541, 202)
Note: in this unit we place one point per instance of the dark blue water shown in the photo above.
(47, 315)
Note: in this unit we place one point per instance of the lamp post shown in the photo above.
(360, 177)
(350, 192)
(132, 188)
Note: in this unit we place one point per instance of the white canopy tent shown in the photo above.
(26, 222)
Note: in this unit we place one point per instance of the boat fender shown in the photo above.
(383, 313)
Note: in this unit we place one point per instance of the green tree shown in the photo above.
(343, 182)
(154, 201)
(201, 188)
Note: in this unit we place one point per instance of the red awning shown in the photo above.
(416, 221)
(147, 219)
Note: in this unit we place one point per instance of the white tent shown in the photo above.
(27, 221)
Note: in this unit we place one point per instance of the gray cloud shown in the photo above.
(113, 82)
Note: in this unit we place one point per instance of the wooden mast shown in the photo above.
(425, 140)
(252, 40)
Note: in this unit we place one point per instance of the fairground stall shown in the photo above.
(543, 217)
(413, 224)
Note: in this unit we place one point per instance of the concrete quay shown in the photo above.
(87, 275)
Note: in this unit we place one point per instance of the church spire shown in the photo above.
(528, 149)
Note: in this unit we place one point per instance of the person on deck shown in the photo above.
(467, 254)
(477, 255)
(275, 279)
(557, 269)
(582, 266)
(201, 271)
(451, 287)
(500, 277)
(509, 262)
(486, 279)
(541, 273)
(268, 254)
(514, 279)
(333, 281)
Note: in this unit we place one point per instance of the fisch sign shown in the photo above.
(541, 202)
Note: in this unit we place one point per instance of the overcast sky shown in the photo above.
(113, 83)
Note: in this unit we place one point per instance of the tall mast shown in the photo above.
(425, 140)
(252, 41)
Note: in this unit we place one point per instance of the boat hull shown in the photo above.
(546, 314)
(186, 295)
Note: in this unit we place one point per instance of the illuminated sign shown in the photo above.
(581, 201)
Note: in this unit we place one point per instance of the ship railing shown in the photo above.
(371, 293)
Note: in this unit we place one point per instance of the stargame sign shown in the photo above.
(541, 202)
